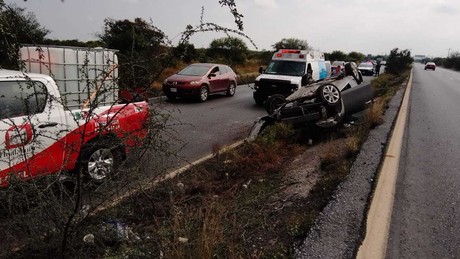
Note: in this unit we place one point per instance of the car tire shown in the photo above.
(231, 89)
(274, 102)
(204, 94)
(329, 94)
(351, 70)
(99, 160)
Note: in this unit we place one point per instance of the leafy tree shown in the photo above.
(452, 61)
(291, 43)
(140, 44)
(185, 52)
(262, 57)
(337, 55)
(398, 61)
(74, 42)
(17, 27)
(356, 56)
(230, 50)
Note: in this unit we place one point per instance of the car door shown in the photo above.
(216, 82)
(30, 129)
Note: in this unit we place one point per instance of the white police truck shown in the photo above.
(283, 75)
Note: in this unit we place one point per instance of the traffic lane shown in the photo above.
(425, 220)
(201, 128)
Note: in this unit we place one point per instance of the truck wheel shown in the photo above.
(231, 89)
(274, 102)
(204, 93)
(99, 160)
(330, 94)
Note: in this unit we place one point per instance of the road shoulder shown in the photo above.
(338, 231)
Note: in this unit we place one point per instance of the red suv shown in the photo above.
(200, 80)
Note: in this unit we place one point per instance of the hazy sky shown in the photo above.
(426, 27)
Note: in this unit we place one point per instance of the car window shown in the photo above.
(19, 98)
(215, 70)
(282, 67)
(194, 71)
(223, 69)
(366, 65)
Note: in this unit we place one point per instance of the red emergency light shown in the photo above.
(290, 51)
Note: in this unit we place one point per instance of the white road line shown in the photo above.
(379, 217)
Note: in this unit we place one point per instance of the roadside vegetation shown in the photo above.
(245, 202)
(452, 61)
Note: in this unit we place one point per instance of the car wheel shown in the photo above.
(204, 94)
(351, 70)
(231, 89)
(330, 94)
(274, 102)
(99, 160)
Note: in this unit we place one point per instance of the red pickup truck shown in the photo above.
(41, 135)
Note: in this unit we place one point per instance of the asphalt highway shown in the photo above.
(426, 219)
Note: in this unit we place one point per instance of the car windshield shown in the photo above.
(194, 71)
(288, 68)
(366, 65)
(337, 63)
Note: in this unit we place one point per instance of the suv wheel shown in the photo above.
(204, 94)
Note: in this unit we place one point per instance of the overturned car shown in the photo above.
(324, 103)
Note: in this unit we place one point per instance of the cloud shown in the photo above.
(131, 1)
(266, 3)
(443, 7)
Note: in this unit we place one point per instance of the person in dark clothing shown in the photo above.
(377, 69)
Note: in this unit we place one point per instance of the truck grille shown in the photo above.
(275, 86)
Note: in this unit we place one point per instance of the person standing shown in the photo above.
(377, 69)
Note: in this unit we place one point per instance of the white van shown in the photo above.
(283, 74)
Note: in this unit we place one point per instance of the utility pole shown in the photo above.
(448, 52)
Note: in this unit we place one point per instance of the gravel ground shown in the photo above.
(339, 229)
